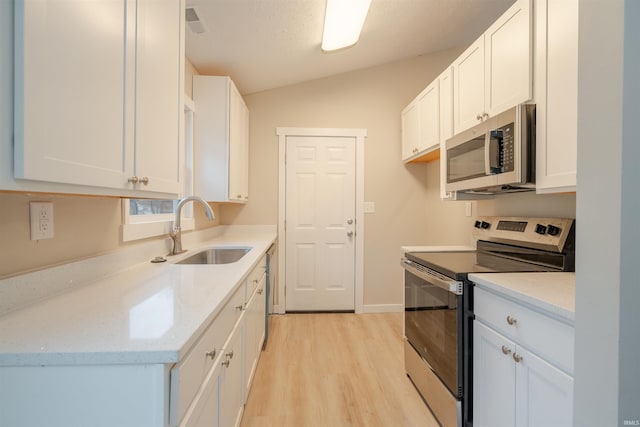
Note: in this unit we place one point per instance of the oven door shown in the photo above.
(433, 322)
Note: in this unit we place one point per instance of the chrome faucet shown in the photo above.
(176, 232)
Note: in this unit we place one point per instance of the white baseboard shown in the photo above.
(382, 308)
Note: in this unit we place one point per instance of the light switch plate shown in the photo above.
(369, 207)
(41, 220)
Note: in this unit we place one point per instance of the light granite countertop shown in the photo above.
(551, 292)
(147, 314)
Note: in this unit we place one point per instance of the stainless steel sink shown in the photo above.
(216, 256)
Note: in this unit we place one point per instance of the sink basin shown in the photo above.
(216, 256)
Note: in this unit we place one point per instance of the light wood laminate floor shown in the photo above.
(334, 370)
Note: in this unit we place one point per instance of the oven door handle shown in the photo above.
(431, 277)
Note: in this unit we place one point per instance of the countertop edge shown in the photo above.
(493, 282)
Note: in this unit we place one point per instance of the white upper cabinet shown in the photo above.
(421, 124)
(556, 94)
(410, 117)
(495, 72)
(221, 140)
(445, 84)
(98, 88)
(468, 79)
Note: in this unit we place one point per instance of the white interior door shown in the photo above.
(320, 223)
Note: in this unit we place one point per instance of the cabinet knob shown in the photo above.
(511, 320)
(134, 179)
(478, 117)
(485, 115)
(517, 357)
(225, 363)
(259, 291)
(349, 233)
(211, 354)
(239, 196)
(240, 307)
(144, 180)
(229, 354)
(506, 350)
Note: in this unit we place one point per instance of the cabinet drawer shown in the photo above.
(549, 338)
(256, 276)
(188, 374)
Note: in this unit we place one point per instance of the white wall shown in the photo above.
(607, 374)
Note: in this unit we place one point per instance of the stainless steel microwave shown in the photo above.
(495, 156)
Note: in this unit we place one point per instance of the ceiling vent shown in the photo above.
(193, 21)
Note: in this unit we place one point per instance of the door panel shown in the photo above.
(320, 212)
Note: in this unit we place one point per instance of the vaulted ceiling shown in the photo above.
(264, 44)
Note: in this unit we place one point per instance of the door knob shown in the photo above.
(350, 233)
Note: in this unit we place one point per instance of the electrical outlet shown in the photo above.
(41, 219)
(369, 207)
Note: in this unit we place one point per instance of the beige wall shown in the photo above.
(371, 99)
(83, 226)
(408, 206)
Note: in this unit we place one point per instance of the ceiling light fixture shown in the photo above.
(343, 21)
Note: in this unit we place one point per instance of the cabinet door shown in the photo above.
(158, 90)
(508, 59)
(238, 147)
(468, 87)
(445, 83)
(494, 378)
(556, 47)
(410, 130)
(204, 410)
(544, 394)
(429, 110)
(71, 91)
(231, 378)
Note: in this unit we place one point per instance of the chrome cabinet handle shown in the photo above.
(211, 354)
(225, 363)
(517, 357)
(134, 179)
(505, 350)
(511, 320)
(230, 354)
(145, 180)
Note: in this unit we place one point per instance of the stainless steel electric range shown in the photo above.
(439, 302)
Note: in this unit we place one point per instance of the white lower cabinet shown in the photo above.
(206, 387)
(254, 332)
(230, 397)
(514, 383)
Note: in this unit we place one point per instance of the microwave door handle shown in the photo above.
(487, 154)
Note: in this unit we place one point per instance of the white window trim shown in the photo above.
(144, 226)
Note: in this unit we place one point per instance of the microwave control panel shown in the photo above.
(507, 148)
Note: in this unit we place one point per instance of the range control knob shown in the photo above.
(484, 225)
(552, 230)
(541, 229)
(478, 224)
